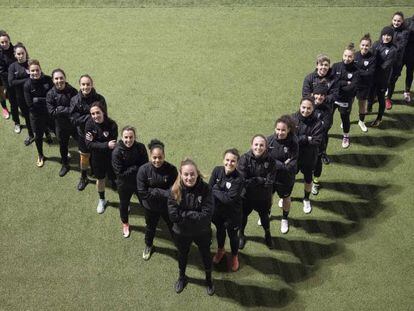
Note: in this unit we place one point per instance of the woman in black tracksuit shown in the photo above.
(35, 90)
(58, 105)
(190, 207)
(365, 61)
(284, 149)
(6, 59)
(154, 181)
(258, 169)
(386, 53)
(227, 185)
(400, 40)
(101, 133)
(309, 131)
(323, 112)
(80, 106)
(345, 80)
(127, 158)
(18, 74)
(409, 59)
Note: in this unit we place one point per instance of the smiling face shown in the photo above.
(258, 146)
(306, 108)
(157, 157)
(348, 56)
(322, 68)
(281, 130)
(97, 114)
(85, 85)
(20, 54)
(386, 38)
(128, 138)
(319, 98)
(230, 162)
(4, 42)
(397, 21)
(35, 72)
(189, 175)
(59, 80)
(364, 46)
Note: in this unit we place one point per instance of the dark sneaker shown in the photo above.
(82, 183)
(28, 140)
(49, 139)
(325, 159)
(242, 241)
(210, 288)
(64, 170)
(180, 284)
(146, 254)
(268, 240)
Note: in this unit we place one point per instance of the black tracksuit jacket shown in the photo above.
(409, 49)
(80, 108)
(323, 113)
(313, 79)
(6, 59)
(400, 40)
(192, 216)
(342, 74)
(227, 191)
(281, 150)
(366, 65)
(126, 162)
(102, 133)
(154, 185)
(385, 57)
(58, 105)
(259, 175)
(18, 74)
(35, 92)
(308, 149)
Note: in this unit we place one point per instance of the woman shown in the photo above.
(365, 61)
(101, 134)
(400, 39)
(386, 54)
(190, 207)
(345, 80)
(35, 90)
(408, 59)
(127, 157)
(283, 148)
(227, 184)
(18, 74)
(58, 105)
(309, 131)
(154, 181)
(6, 59)
(258, 170)
(80, 106)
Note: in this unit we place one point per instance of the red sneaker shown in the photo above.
(219, 255)
(6, 113)
(235, 263)
(388, 104)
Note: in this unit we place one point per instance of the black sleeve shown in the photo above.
(307, 87)
(174, 210)
(389, 62)
(317, 134)
(26, 91)
(351, 88)
(4, 72)
(13, 81)
(144, 192)
(213, 177)
(119, 168)
(94, 145)
(76, 116)
(227, 197)
(203, 217)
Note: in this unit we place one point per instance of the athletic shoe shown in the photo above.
(69, 155)
(388, 104)
(307, 207)
(315, 188)
(82, 183)
(268, 240)
(28, 140)
(17, 128)
(49, 139)
(180, 284)
(407, 97)
(146, 254)
(100, 209)
(259, 222)
(242, 241)
(219, 255)
(284, 226)
(376, 123)
(6, 113)
(64, 170)
(325, 159)
(280, 203)
(210, 288)
(342, 125)
(362, 126)
(125, 230)
(235, 263)
(345, 142)
(40, 161)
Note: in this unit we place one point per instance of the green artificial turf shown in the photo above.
(203, 79)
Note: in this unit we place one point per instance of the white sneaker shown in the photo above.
(342, 125)
(307, 207)
(280, 203)
(345, 142)
(315, 188)
(407, 97)
(100, 209)
(17, 128)
(125, 230)
(259, 222)
(284, 226)
(362, 126)
(69, 155)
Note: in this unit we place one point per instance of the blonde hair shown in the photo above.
(177, 187)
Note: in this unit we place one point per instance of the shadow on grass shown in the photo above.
(364, 160)
(380, 141)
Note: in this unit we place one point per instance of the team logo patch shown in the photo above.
(266, 164)
(285, 149)
(106, 133)
(165, 179)
(349, 75)
(228, 185)
(46, 86)
(386, 52)
(366, 63)
(199, 199)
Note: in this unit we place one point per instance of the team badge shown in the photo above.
(349, 75)
(386, 52)
(228, 185)
(106, 133)
(366, 63)
(266, 164)
(199, 199)
(165, 179)
(285, 149)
